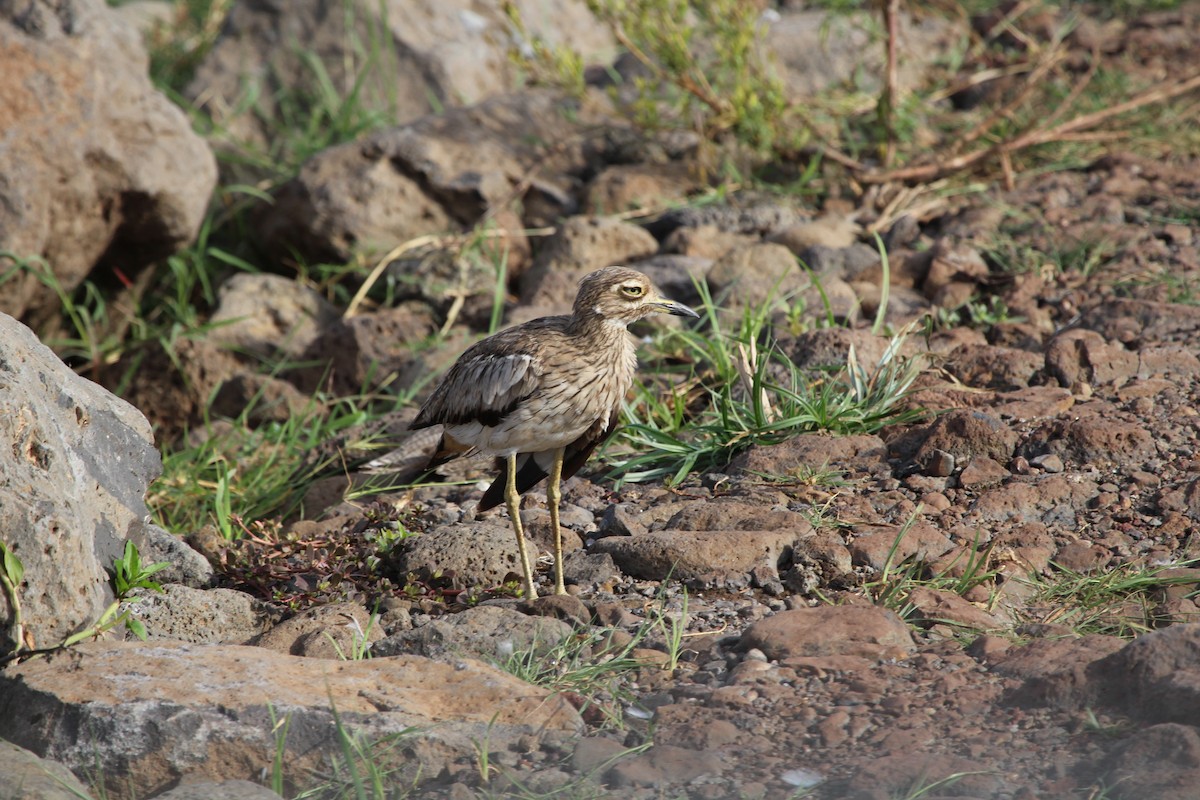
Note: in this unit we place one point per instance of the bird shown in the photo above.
(542, 395)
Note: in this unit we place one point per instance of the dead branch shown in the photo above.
(1033, 138)
(1032, 84)
(891, 95)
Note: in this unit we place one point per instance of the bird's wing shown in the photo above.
(481, 387)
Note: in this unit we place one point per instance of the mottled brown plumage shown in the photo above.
(542, 395)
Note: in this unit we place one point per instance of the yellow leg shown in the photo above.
(553, 496)
(513, 501)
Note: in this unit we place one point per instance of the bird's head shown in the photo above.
(623, 295)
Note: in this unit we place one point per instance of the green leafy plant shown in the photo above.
(975, 313)
(704, 68)
(129, 574)
(12, 572)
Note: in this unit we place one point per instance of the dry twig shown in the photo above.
(1070, 130)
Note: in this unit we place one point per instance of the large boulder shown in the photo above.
(144, 718)
(74, 469)
(437, 173)
(97, 169)
(406, 58)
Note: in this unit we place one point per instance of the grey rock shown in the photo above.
(580, 245)
(219, 790)
(847, 263)
(1154, 677)
(827, 630)
(73, 480)
(992, 367)
(480, 554)
(268, 315)
(1049, 462)
(589, 570)
(486, 632)
(146, 16)
(855, 454)
(27, 777)
(746, 214)
(620, 519)
(349, 200)
(216, 616)
(967, 433)
(436, 173)
(829, 347)
(702, 558)
(97, 165)
(938, 463)
(337, 630)
(1142, 761)
(169, 713)
(750, 275)
(882, 546)
(186, 566)
(366, 350)
(432, 53)
(677, 275)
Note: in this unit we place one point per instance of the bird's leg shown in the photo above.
(513, 501)
(553, 496)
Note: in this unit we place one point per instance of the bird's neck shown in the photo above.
(587, 323)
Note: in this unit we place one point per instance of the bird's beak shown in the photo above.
(673, 308)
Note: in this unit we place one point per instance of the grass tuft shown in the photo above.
(737, 394)
(1117, 601)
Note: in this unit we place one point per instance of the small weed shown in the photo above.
(1174, 288)
(1092, 724)
(128, 575)
(923, 787)
(363, 768)
(894, 586)
(672, 627)
(807, 475)
(360, 645)
(177, 48)
(595, 674)
(244, 472)
(975, 313)
(279, 732)
(12, 573)
(583, 666)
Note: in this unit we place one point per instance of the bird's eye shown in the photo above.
(633, 290)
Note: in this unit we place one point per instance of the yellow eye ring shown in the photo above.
(632, 291)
